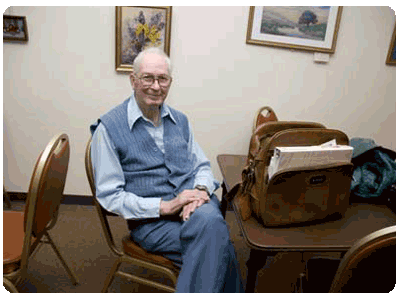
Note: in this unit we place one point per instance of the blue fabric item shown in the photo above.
(374, 172)
(361, 145)
(200, 247)
(374, 168)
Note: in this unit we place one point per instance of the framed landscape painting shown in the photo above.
(310, 28)
(139, 27)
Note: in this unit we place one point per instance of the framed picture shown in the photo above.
(139, 27)
(310, 28)
(15, 28)
(391, 56)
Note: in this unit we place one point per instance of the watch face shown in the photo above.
(202, 188)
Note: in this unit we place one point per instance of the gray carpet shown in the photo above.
(79, 237)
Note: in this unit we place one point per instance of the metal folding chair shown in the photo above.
(131, 253)
(24, 231)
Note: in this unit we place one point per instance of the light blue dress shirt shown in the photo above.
(109, 177)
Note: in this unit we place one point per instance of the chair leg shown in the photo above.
(9, 286)
(72, 276)
(6, 197)
(111, 275)
(256, 261)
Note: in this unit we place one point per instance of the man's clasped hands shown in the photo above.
(187, 201)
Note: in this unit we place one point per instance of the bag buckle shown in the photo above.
(248, 177)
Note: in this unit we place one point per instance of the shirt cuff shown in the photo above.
(145, 207)
(211, 186)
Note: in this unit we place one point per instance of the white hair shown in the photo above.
(151, 50)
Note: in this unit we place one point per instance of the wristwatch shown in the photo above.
(203, 188)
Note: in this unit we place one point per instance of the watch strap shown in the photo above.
(203, 188)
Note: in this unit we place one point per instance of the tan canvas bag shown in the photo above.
(296, 195)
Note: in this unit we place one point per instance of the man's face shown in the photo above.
(150, 96)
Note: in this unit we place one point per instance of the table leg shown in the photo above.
(224, 190)
(255, 262)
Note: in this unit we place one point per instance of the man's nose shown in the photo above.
(156, 85)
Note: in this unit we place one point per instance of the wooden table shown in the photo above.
(331, 236)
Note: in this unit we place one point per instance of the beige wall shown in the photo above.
(64, 78)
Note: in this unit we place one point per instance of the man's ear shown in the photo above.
(132, 79)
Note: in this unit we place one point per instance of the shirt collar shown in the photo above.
(134, 112)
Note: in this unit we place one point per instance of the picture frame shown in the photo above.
(391, 55)
(15, 28)
(139, 27)
(308, 28)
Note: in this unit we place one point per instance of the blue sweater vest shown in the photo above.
(148, 172)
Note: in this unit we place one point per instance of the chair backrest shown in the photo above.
(264, 114)
(103, 214)
(369, 266)
(47, 184)
(46, 190)
(89, 167)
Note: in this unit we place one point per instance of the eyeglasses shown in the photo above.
(148, 80)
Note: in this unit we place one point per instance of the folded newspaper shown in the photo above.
(304, 156)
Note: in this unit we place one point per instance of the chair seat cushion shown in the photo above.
(13, 240)
(135, 251)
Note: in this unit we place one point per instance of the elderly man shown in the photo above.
(150, 170)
